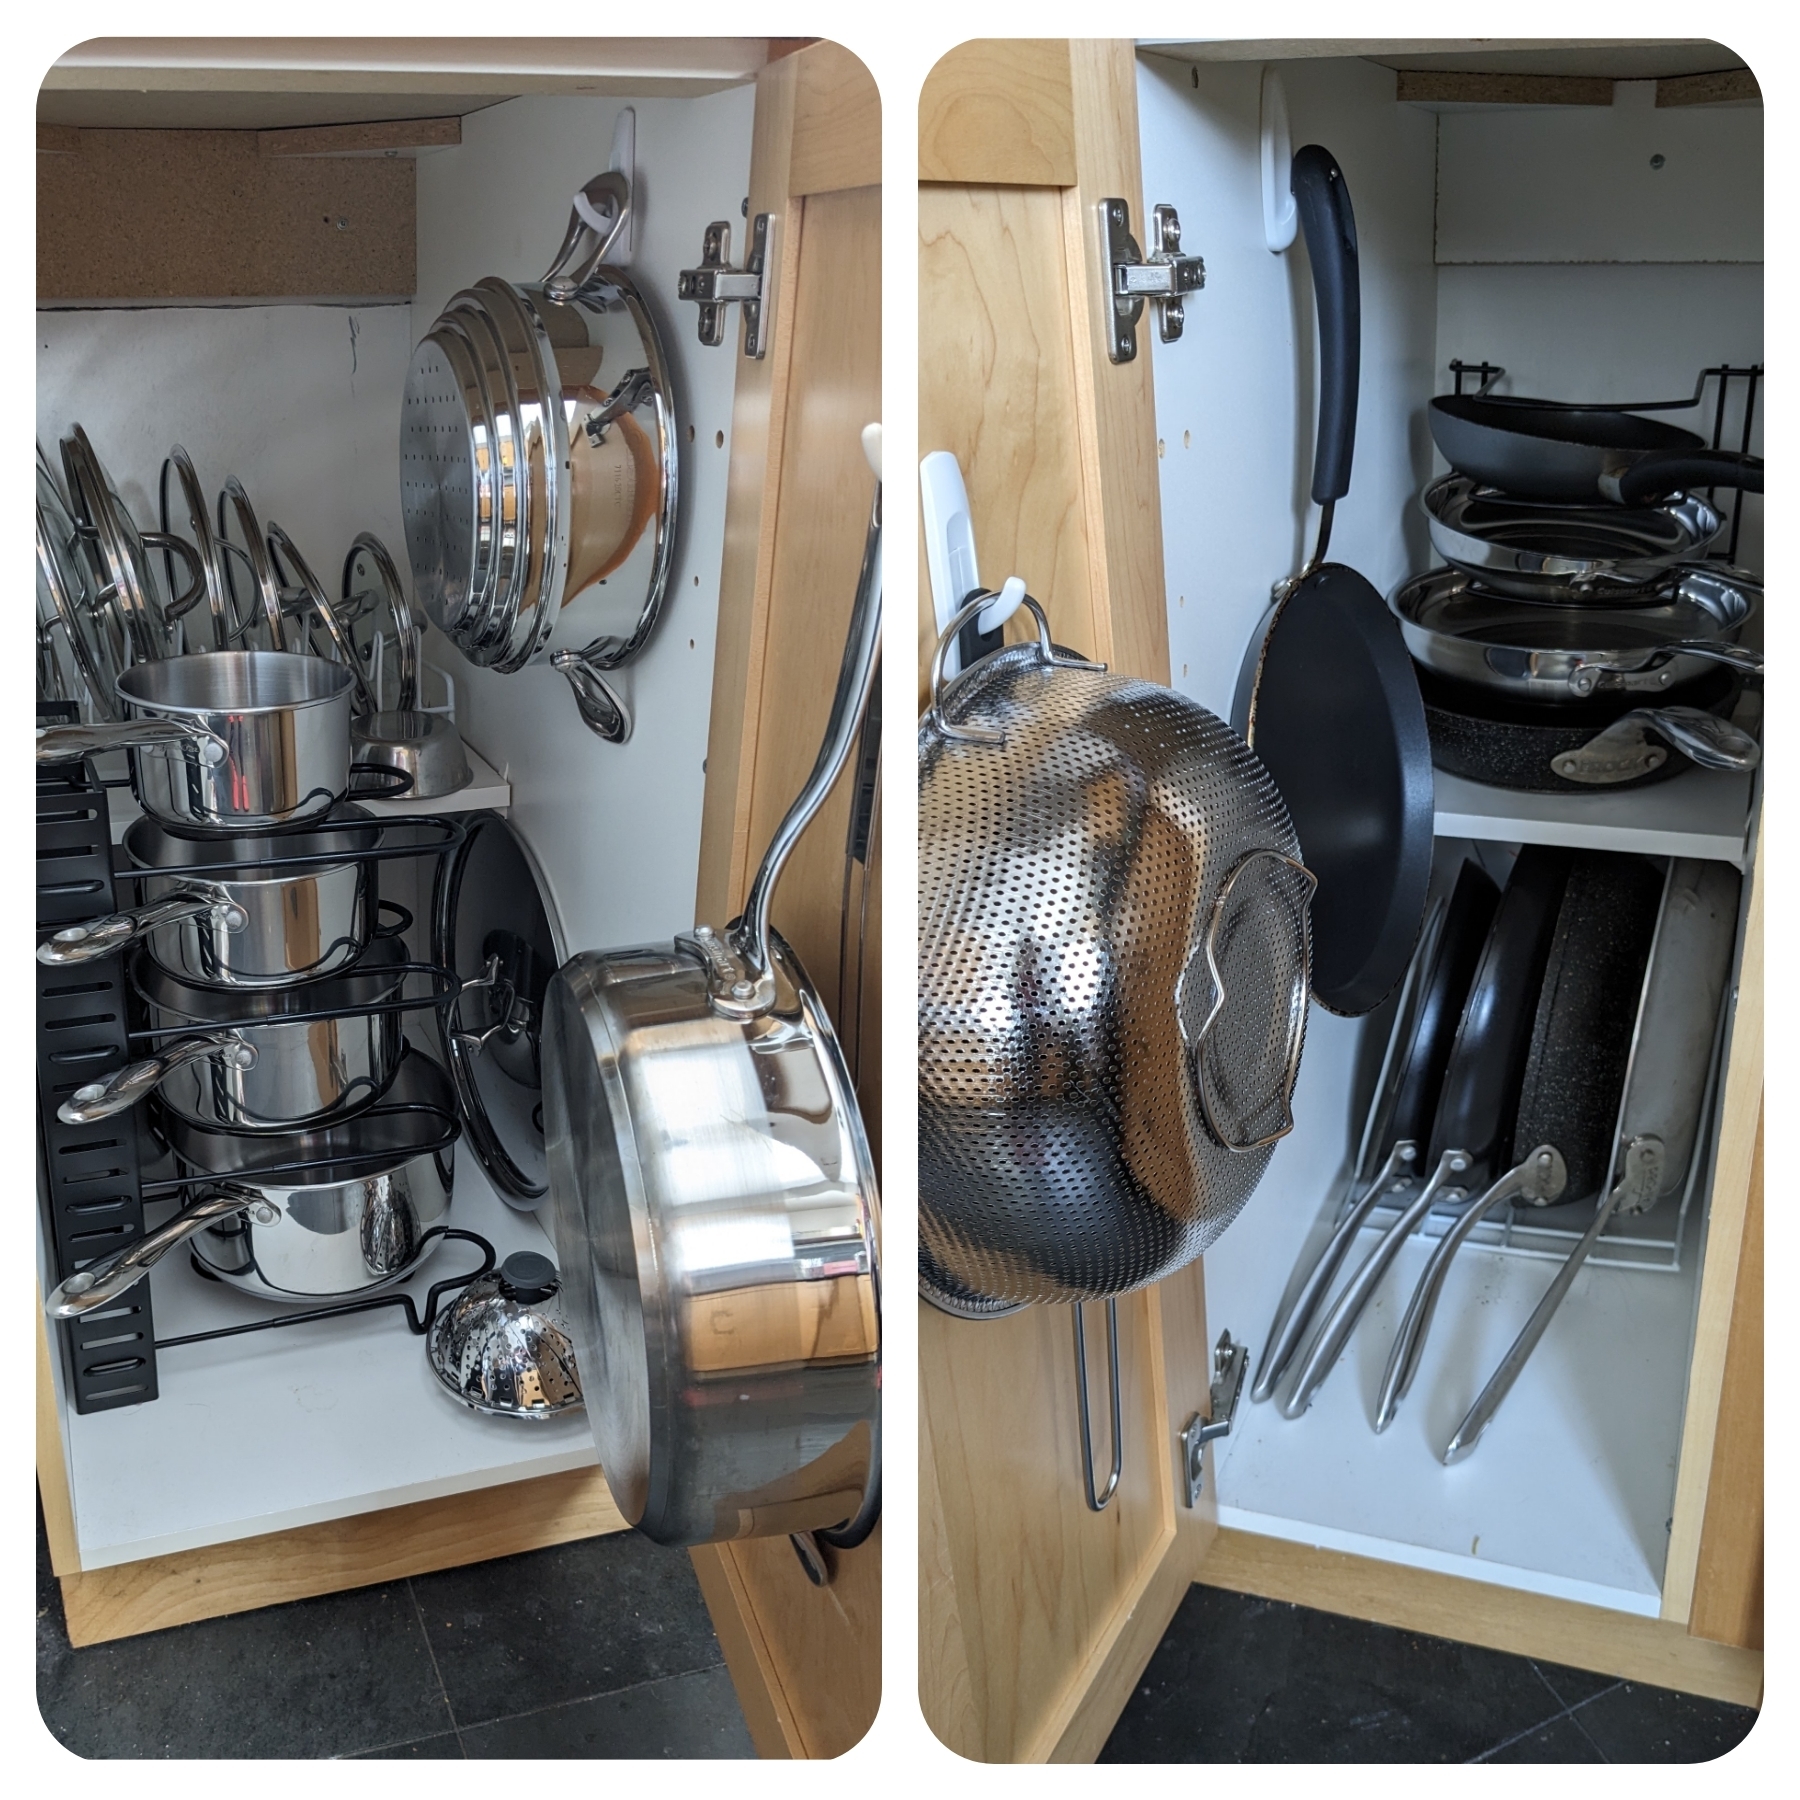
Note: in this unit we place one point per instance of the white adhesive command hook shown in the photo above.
(1281, 217)
(950, 549)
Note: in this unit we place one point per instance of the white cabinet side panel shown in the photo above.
(616, 828)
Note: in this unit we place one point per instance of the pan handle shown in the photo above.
(1658, 475)
(117, 1274)
(94, 938)
(127, 1086)
(1623, 752)
(1329, 225)
(63, 743)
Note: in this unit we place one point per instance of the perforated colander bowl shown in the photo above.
(1113, 970)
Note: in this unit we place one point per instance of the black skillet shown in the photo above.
(1540, 450)
(1443, 989)
(1568, 1094)
(1327, 697)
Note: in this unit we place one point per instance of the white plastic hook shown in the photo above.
(1281, 217)
(871, 444)
(624, 160)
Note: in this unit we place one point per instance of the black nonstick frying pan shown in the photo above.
(1540, 450)
(1327, 697)
(1568, 1096)
(1443, 989)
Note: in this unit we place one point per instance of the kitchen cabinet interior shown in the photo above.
(1583, 1528)
(351, 1470)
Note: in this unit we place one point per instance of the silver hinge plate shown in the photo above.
(716, 284)
(1230, 1360)
(1165, 276)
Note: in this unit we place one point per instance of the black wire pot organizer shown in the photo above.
(322, 1212)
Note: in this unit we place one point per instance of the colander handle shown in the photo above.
(1297, 1034)
(1047, 653)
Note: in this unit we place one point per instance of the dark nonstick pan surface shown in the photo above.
(1539, 450)
(1477, 1104)
(1327, 697)
(1586, 1013)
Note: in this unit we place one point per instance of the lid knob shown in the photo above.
(527, 1277)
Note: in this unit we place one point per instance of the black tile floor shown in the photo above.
(595, 1649)
(1237, 1679)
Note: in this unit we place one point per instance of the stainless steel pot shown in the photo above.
(715, 1210)
(262, 1059)
(267, 924)
(229, 741)
(1455, 625)
(363, 1217)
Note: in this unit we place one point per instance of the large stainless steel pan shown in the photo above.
(715, 1210)
(1455, 625)
(229, 741)
(362, 1213)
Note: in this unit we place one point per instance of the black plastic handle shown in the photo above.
(1652, 477)
(1323, 199)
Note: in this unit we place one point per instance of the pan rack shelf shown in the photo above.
(1702, 813)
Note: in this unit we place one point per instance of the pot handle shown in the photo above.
(601, 708)
(94, 938)
(749, 934)
(1322, 198)
(1585, 676)
(1623, 752)
(407, 631)
(598, 216)
(284, 550)
(111, 1276)
(127, 1086)
(63, 743)
(1669, 472)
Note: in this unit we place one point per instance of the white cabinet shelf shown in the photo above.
(1701, 813)
(275, 1429)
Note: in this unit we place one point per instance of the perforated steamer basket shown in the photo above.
(1114, 959)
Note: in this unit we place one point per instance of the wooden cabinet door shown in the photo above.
(1036, 1614)
(806, 1661)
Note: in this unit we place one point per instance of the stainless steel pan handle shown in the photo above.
(94, 938)
(601, 708)
(1098, 1498)
(63, 743)
(127, 1086)
(105, 1280)
(1623, 752)
(1541, 1176)
(749, 934)
(1584, 678)
(598, 216)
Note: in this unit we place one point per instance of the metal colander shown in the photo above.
(1113, 970)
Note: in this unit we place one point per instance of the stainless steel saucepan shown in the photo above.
(268, 923)
(359, 1209)
(715, 1208)
(228, 741)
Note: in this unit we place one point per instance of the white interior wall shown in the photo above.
(616, 828)
(301, 403)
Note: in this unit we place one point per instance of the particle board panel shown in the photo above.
(1728, 1578)
(1480, 88)
(996, 111)
(167, 215)
(1652, 1651)
(384, 137)
(160, 1591)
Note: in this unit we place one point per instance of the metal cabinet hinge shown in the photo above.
(1164, 276)
(1229, 1363)
(716, 284)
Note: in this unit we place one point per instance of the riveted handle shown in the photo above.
(125, 1087)
(63, 743)
(94, 938)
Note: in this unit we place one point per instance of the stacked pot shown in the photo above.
(1578, 638)
(317, 1144)
(539, 464)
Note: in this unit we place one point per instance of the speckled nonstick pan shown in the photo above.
(1568, 1095)
(1430, 1033)
(1515, 743)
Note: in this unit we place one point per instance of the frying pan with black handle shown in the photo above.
(1543, 450)
(1451, 961)
(1326, 696)
(1568, 1094)
(1471, 1128)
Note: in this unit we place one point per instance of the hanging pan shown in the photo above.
(715, 1211)
(1327, 697)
